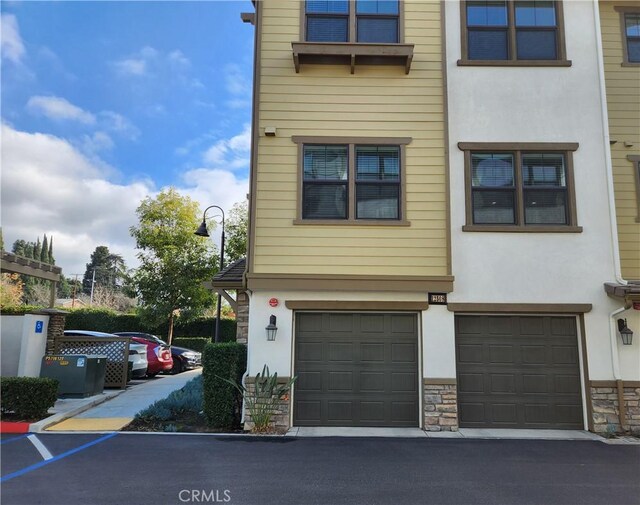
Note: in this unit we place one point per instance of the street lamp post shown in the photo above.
(203, 232)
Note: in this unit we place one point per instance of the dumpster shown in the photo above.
(78, 375)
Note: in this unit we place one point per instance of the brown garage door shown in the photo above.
(518, 372)
(356, 369)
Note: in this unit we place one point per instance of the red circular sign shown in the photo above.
(273, 302)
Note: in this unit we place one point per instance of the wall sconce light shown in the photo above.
(625, 332)
(272, 329)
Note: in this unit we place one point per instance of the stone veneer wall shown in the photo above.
(242, 317)
(55, 329)
(440, 407)
(606, 417)
(280, 418)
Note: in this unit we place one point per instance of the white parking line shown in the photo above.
(44, 452)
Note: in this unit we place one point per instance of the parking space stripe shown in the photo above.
(44, 452)
(56, 458)
(13, 439)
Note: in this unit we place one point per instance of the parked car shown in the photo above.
(183, 358)
(137, 352)
(158, 353)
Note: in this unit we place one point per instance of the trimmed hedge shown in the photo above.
(28, 397)
(20, 310)
(110, 321)
(193, 343)
(223, 402)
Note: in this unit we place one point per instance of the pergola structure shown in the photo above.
(12, 263)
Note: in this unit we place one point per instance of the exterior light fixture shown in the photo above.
(203, 232)
(272, 329)
(625, 332)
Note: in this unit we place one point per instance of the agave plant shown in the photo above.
(262, 400)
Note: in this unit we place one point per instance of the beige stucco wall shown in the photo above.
(623, 103)
(376, 101)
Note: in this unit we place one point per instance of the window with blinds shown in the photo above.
(369, 21)
(520, 189)
(377, 182)
(511, 30)
(325, 182)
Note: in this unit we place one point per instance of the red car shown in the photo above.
(158, 356)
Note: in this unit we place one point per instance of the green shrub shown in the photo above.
(222, 401)
(111, 321)
(194, 343)
(20, 310)
(187, 399)
(28, 397)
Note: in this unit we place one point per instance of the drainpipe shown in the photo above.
(615, 362)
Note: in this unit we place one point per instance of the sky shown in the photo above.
(104, 103)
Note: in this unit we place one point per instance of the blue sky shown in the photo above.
(104, 103)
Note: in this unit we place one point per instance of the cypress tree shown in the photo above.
(37, 250)
(52, 260)
(44, 253)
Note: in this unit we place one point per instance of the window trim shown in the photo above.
(351, 143)
(352, 23)
(635, 160)
(517, 149)
(622, 11)
(561, 60)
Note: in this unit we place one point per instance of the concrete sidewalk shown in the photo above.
(115, 414)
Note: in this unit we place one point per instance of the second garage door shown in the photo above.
(518, 372)
(356, 369)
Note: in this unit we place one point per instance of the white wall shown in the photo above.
(536, 104)
(438, 343)
(10, 342)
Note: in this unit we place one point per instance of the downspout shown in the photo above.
(615, 361)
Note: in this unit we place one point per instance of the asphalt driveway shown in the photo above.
(170, 469)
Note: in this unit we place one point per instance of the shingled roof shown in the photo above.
(231, 276)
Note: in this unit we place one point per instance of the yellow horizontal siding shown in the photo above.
(623, 99)
(376, 101)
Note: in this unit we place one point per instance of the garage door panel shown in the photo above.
(404, 353)
(503, 383)
(372, 352)
(313, 323)
(340, 323)
(518, 379)
(340, 351)
(373, 323)
(310, 351)
(360, 375)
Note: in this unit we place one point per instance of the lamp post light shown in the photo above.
(626, 334)
(203, 232)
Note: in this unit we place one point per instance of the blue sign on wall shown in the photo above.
(39, 326)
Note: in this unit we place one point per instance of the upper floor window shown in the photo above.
(632, 36)
(372, 21)
(512, 32)
(520, 189)
(360, 180)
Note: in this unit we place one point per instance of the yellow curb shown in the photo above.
(91, 424)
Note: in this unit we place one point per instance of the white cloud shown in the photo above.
(12, 47)
(131, 66)
(149, 61)
(118, 123)
(49, 186)
(230, 153)
(99, 141)
(57, 108)
(236, 82)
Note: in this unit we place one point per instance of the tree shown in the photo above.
(1, 240)
(236, 232)
(52, 260)
(37, 250)
(109, 269)
(44, 253)
(10, 290)
(174, 262)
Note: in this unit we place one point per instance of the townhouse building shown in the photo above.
(432, 214)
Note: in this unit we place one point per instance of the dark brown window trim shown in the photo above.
(351, 142)
(622, 10)
(351, 53)
(635, 160)
(517, 148)
(561, 61)
(523, 308)
(354, 305)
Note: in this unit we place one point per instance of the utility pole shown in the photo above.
(93, 283)
(75, 287)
